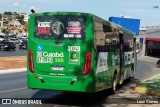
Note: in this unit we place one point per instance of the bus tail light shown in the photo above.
(30, 61)
(87, 63)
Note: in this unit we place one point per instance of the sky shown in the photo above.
(137, 9)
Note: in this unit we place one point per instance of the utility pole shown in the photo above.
(2, 21)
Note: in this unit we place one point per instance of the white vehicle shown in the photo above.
(2, 37)
(14, 40)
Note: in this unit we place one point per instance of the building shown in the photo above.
(127, 23)
(23, 14)
(26, 18)
(14, 23)
(149, 40)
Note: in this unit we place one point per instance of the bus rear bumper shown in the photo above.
(65, 83)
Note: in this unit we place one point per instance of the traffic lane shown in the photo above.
(14, 86)
(146, 69)
(12, 81)
(71, 98)
(57, 98)
(60, 97)
(17, 52)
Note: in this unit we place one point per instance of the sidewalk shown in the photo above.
(13, 62)
(149, 86)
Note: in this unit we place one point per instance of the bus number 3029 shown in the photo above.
(74, 48)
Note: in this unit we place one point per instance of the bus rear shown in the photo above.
(60, 52)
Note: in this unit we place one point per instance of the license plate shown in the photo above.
(57, 68)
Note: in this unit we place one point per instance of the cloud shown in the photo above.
(33, 7)
(18, 5)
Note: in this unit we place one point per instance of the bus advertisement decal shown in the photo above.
(60, 27)
(74, 27)
(72, 36)
(128, 58)
(74, 57)
(102, 64)
(44, 28)
(42, 59)
(47, 57)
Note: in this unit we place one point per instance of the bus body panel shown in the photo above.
(105, 72)
(59, 64)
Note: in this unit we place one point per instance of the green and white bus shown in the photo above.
(73, 51)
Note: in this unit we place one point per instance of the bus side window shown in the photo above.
(100, 38)
(128, 43)
(106, 40)
(99, 34)
(112, 41)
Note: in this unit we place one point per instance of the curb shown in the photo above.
(9, 71)
(145, 90)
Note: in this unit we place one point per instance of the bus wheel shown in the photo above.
(114, 83)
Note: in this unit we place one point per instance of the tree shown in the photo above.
(8, 13)
(4, 30)
(15, 13)
(25, 27)
(20, 19)
(0, 16)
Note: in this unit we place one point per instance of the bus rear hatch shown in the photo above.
(59, 41)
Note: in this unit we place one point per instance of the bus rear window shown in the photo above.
(59, 27)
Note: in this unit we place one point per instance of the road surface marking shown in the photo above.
(145, 90)
(13, 90)
(149, 78)
(8, 71)
(135, 85)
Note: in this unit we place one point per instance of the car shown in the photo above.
(14, 40)
(21, 40)
(2, 37)
(158, 63)
(23, 44)
(6, 45)
(1, 45)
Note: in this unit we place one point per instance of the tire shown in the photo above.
(114, 84)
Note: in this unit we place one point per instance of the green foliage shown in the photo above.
(20, 19)
(17, 16)
(4, 30)
(25, 27)
(8, 13)
(15, 13)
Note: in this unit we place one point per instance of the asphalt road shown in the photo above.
(17, 52)
(15, 86)
(146, 67)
